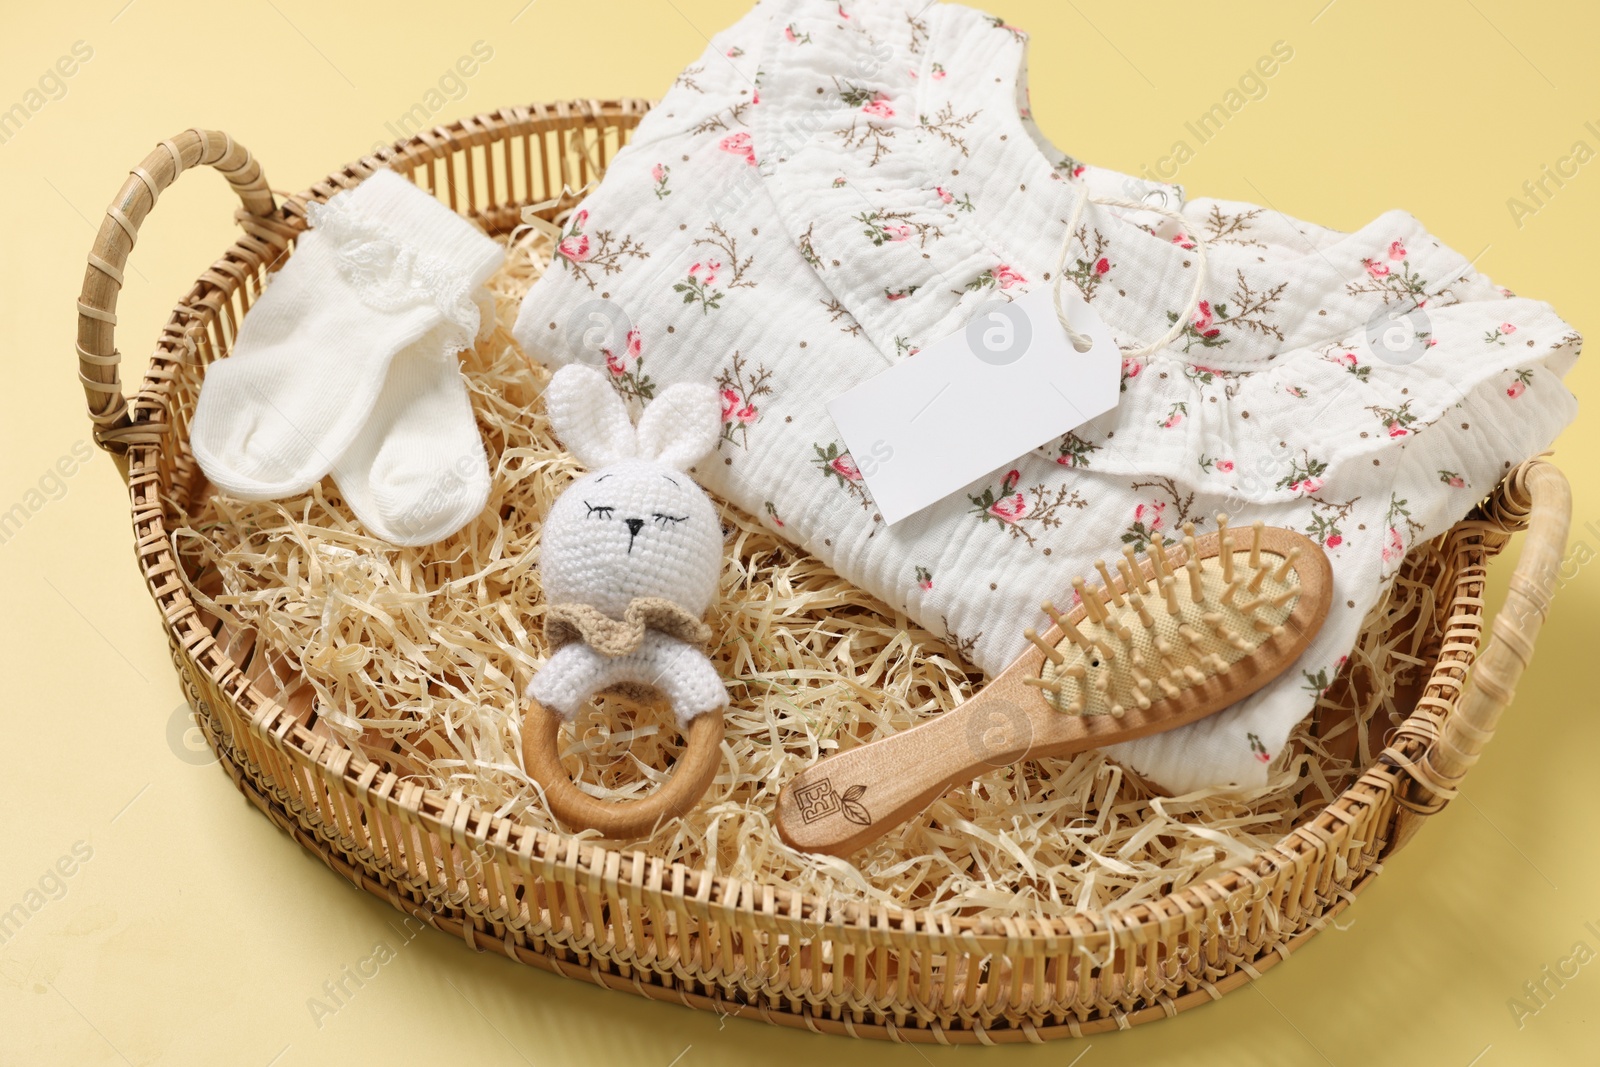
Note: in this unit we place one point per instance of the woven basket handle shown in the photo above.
(98, 358)
(1537, 498)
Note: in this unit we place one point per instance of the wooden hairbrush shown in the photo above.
(1169, 638)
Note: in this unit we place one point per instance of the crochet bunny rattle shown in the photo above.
(631, 553)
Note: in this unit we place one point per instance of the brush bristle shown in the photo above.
(1143, 639)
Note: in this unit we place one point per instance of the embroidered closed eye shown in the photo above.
(662, 520)
(601, 511)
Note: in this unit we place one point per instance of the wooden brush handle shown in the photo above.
(858, 795)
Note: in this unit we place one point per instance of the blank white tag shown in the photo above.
(975, 401)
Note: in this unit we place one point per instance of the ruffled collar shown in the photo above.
(944, 195)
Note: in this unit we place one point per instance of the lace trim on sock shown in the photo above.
(391, 276)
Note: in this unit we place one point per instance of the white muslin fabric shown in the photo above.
(832, 187)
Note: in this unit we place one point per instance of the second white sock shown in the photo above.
(417, 471)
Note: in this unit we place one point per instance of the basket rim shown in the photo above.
(1391, 776)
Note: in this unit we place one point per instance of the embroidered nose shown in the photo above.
(634, 526)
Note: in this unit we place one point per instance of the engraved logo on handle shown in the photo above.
(819, 800)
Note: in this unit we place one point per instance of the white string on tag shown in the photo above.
(1082, 342)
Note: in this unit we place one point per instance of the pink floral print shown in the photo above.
(1130, 370)
(1090, 269)
(1006, 276)
(1305, 475)
(1395, 280)
(593, 259)
(1498, 335)
(1074, 451)
(1326, 515)
(700, 285)
(1010, 508)
(627, 369)
(1149, 522)
(863, 130)
(1398, 517)
(1319, 682)
(740, 388)
(1397, 422)
(1351, 364)
(1201, 329)
(697, 287)
(1010, 505)
(739, 144)
(575, 247)
(1019, 513)
(619, 364)
(840, 467)
(1394, 547)
(1002, 276)
(1001, 24)
(736, 410)
(1248, 309)
(894, 227)
(1257, 749)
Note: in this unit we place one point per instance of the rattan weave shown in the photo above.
(629, 921)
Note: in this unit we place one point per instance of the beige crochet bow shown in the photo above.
(565, 623)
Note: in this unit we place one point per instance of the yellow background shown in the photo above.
(197, 932)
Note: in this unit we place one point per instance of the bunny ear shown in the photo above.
(589, 417)
(681, 425)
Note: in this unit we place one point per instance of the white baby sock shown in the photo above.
(417, 472)
(384, 265)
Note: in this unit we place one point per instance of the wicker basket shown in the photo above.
(630, 921)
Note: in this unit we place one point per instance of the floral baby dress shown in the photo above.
(832, 187)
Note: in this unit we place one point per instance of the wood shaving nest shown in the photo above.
(417, 657)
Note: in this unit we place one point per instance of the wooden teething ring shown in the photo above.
(628, 818)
